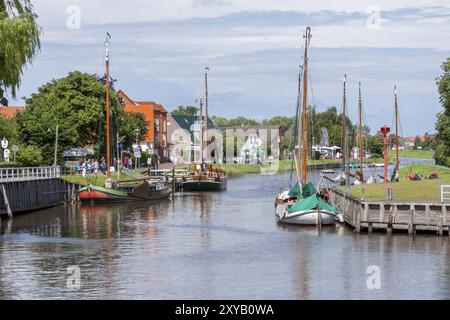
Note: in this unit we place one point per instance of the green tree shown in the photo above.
(8, 130)
(221, 121)
(375, 144)
(185, 111)
(30, 156)
(443, 118)
(285, 123)
(76, 103)
(19, 39)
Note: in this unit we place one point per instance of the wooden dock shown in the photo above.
(392, 216)
(28, 189)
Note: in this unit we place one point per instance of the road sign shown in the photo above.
(137, 154)
(15, 148)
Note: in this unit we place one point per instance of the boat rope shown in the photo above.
(295, 131)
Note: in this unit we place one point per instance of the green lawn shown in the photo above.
(234, 169)
(424, 190)
(95, 180)
(424, 154)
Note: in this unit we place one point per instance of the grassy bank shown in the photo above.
(424, 190)
(423, 154)
(236, 169)
(98, 180)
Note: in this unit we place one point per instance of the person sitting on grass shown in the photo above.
(412, 176)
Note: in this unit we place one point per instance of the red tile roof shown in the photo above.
(10, 112)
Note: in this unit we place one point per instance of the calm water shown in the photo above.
(211, 246)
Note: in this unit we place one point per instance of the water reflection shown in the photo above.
(210, 246)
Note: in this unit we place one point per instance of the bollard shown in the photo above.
(390, 194)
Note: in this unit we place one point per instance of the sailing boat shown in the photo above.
(124, 191)
(205, 177)
(302, 204)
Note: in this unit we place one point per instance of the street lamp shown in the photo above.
(55, 161)
(137, 131)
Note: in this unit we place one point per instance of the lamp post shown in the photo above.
(55, 161)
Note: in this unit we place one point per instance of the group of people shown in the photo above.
(91, 166)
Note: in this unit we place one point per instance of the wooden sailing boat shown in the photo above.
(126, 191)
(205, 177)
(302, 204)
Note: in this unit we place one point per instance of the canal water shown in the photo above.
(211, 246)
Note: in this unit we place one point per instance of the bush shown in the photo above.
(10, 164)
(30, 156)
(440, 157)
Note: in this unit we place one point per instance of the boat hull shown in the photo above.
(307, 217)
(94, 194)
(204, 186)
(102, 195)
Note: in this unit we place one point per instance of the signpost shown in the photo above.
(15, 149)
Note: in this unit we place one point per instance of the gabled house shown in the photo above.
(156, 118)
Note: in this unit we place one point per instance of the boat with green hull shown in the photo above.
(303, 204)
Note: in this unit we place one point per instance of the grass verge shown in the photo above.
(405, 190)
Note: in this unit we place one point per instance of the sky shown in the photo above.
(159, 50)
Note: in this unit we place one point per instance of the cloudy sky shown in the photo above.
(253, 47)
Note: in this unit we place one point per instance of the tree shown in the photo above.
(443, 118)
(19, 38)
(76, 104)
(221, 121)
(285, 123)
(375, 144)
(8, 130)
(185, 111)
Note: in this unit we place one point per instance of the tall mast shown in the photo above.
(205, 133)
(360, 133)
(396, 130)
(305, 110)
(108, 137)
(344, 132)
(201, 129)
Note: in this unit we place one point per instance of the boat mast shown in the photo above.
(297, 128)
(344, 133)
(361, 134)
(108, 142)
(305, 106)
(396, 131)
(201, 129)
(205, 133)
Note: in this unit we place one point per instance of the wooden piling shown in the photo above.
(6, 201)
(441, 226)
(411, 220)
(381, 214)
(174, 181)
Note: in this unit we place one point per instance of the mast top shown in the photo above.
(108, 39)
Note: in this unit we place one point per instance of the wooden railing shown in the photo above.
(28, 174)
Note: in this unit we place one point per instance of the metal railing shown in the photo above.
(27, 174)
(444, 192)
